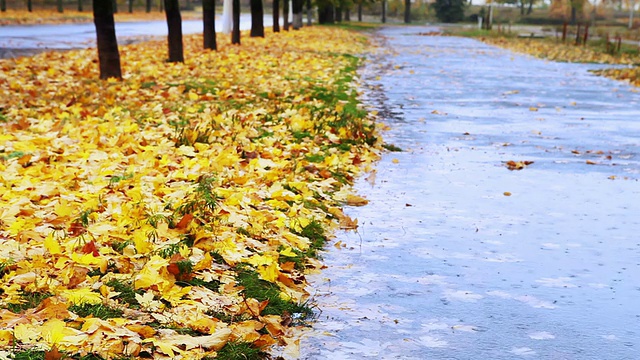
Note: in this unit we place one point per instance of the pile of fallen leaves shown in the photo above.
(39, 16)
(558, 51)
(174, 214)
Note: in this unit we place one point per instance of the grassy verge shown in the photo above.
(175, 213)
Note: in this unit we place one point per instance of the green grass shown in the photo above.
(100, 311)
(28, 300)
(240, 351)
(127, 292)
(316, 234)
(262, 290)
(391, 147)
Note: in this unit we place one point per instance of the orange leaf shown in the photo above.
(90, 248)
(53, 354)
(184, 222)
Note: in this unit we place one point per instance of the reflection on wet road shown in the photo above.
(457, 257)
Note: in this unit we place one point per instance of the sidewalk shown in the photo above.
(458, 257)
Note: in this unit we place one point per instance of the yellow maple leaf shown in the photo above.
(52, 245)
(269, 272)
(82, 296)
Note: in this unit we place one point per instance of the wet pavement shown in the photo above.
(458, 257)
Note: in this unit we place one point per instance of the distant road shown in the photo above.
(71, 36)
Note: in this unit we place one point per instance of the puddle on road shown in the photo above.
(444, 265)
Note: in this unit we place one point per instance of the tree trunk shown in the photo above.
(285, 15)
(530, 9)
(130, 6)
(257, 19)
(174, 23)
(235, 33)
(407, 11)
(209, 24)
(347, 14)
(80, 6)
(521, 7)
(325, 14)
(148, 4)
(338, 15)
(574, 13)
(360, 11)
(298, 6)
(108, 54)
(384, 11)
(60, 7)
(276, 16)
(29, 5)
(3, 5)
(309, 13)
(115, 6)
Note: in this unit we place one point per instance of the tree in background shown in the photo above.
(108, 54)
(209, 24)
(407, 11)
(449, 11)
(285, 15)
(235, 33)
(298, 6)
(257, 18)
(326, 11)
(174, 23)
(276, 16)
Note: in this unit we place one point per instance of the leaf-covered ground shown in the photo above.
(39, 16)
(175, 213)
(557, 51)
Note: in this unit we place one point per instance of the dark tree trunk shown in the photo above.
(285, 15)
(60, 7)
(29, 5)
(574, 13)
(257, 19)
(115, 6)
(338, 14)
(80, 6)
(235, 33)
(108, 54)
(130, 6)
(298, 5)
(384, 11)
(325, 14)
(360, 11)
(3, 5)
(276, 16)
(148, 4)
(347, 15)
(309, 13)
(407, 11)
(174, 23)
(521, 7)
(530, 9)
(209, 24)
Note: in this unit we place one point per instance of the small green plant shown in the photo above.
(262, 290)
(315, 233)
(235, 350)
(100, 311)
(127, 292)
(391, 147)
(114, 180)
(28, 300)
(28, 354)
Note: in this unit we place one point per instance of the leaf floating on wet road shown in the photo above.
(517, 165)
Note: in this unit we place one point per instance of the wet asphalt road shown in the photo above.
(445, 265)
